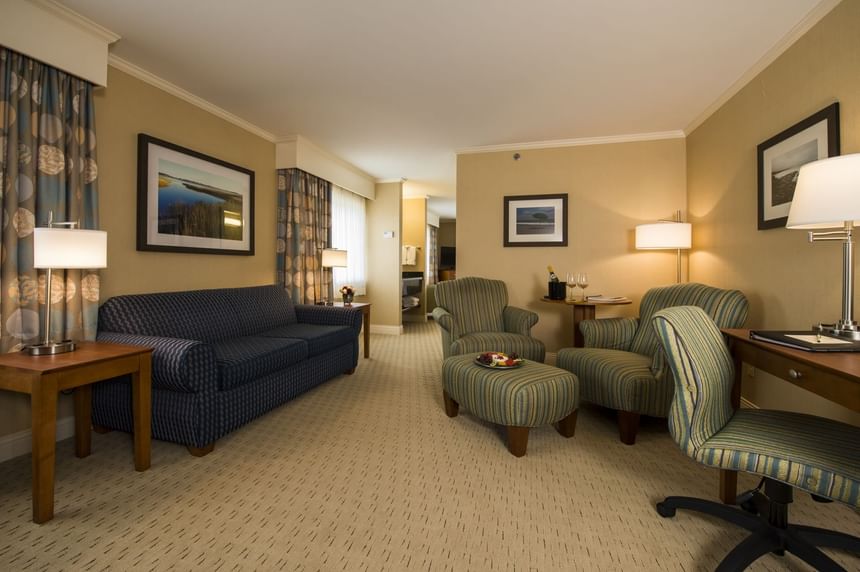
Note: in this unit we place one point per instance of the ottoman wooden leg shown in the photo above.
(518, 440)
(451, 406)
(567, 426)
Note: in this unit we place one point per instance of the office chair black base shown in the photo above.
(766, 517)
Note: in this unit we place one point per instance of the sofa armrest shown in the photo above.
(609, 333)
(178, 365)
(329, 316)
(518, 321)
(444, 318)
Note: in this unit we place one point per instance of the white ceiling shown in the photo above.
(396, 86)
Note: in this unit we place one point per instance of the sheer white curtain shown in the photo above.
(349, 232)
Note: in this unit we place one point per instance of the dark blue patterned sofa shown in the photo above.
(222, 357)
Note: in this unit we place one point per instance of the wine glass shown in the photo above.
(582, 282)
(571, 285)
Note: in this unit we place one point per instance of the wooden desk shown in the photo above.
(834, 376)
(43, 377)
(583, 311)
(365, 310)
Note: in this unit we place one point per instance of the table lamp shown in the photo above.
(66, 247)
(827, 195)
(665, 235)
(332, 258)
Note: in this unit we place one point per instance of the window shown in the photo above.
(349, 232)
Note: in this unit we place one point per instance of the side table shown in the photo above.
(583, 311)
(43, 377)
(365, 310)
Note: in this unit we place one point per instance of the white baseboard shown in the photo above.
(21, 443)
(386, 330)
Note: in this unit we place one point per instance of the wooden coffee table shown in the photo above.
(43, 377)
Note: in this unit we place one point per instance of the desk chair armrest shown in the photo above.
(518, 321)
(609, 333)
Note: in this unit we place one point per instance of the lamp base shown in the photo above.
(841, 329)
(51, 348)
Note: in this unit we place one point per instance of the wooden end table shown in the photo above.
(583, 311)
(43, 377)
(365, 309)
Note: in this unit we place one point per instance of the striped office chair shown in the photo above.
(789, 450)
(474, 317)
(622, 367)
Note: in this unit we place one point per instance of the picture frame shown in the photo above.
(190, 202)
(780, 159)
(535, 220)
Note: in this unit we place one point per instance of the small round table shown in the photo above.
(584, 311)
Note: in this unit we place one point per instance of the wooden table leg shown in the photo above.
(141, 390)
(581, 312)
(43, 405)
(366, 332)
(83, 420)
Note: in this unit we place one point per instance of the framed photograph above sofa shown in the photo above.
(535, 220)
(781, 157)
(191, 202)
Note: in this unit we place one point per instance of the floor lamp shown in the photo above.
(61, 245)
(332, 258)
(665, 235)
(827, 195)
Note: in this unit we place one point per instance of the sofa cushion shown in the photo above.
(245, 359)
(260, 308)
(319, 338)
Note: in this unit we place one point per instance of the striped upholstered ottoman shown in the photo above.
(531, 395)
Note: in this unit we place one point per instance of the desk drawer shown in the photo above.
(842, 390)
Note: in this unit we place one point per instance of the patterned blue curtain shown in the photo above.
(47, 164)
(304, 230)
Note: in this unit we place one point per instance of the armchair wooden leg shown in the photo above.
(518, 440)
(628, 426)
(201, 451)
(452, 408)
(567, 426)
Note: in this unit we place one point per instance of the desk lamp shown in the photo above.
(827, 195)
(332, 258)
(665, 235)
(65, 247)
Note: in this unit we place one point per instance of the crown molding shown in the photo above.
(382, 181)
(606, 140)
(77, 20)
(808, 21)
(173, 89)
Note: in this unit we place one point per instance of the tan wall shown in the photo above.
(125, 108)
(611, 189)
(447, 233)
(415, 230)
(790, 283)
(383, 264)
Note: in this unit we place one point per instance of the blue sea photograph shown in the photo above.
(535, 220)
(193, 202)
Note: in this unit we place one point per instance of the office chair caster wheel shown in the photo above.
(664, 510)
(749, 506)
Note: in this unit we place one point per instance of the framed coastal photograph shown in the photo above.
(191, 202)
(781, 157)
(535, 220)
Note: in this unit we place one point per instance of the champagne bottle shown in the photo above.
(552, 276)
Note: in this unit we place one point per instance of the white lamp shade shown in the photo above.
(69, 248)
(333, 258)
(827, 193)
(664, 235)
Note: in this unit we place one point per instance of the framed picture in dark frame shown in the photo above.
(535, 220)
(191, 202)
(780, 159)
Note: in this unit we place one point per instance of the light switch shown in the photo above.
(388, 234)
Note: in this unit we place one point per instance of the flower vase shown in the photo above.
(347, 299)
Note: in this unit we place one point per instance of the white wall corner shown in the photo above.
(21, 443)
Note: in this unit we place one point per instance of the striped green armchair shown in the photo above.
(622, 366)
(789, 450)
(474, 317)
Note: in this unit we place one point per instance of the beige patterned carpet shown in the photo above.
(367, 473)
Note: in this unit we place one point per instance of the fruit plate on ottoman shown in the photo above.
(518, 397)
